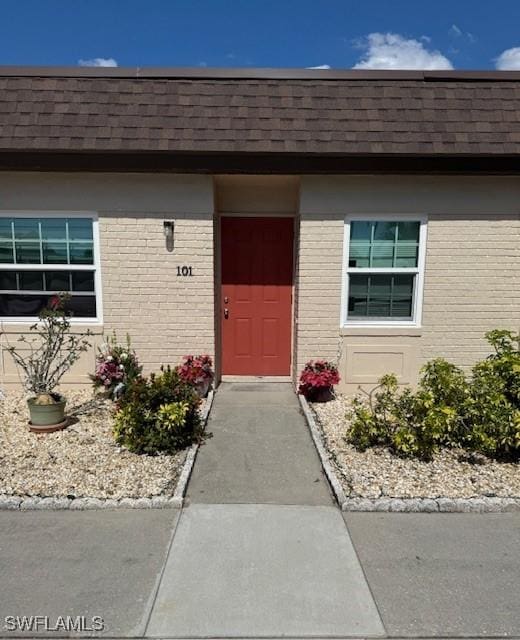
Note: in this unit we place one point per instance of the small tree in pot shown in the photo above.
(44, 359)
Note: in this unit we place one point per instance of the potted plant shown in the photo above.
(116, 367)
(197, 370)
(317, 380)
(44, 359)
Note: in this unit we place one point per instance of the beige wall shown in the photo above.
(257, 195)
(167, 316)
(472, 277)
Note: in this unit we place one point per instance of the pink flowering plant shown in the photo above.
(116, 367)
(317, 376)
(198, 371)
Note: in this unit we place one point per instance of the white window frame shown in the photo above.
(96, 266)
(416, 319)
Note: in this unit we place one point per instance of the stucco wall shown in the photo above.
(472, 277)
(165, 315)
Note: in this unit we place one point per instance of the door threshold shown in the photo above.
(230, 378)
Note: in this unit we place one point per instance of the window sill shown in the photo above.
(368, 330)
(22, 326)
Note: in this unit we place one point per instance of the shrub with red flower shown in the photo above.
(196, 369)
(317, 376)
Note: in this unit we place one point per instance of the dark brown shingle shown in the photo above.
(394, 115)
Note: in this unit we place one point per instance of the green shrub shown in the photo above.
(493, 409)
(410, 423)
(481, 413)
(158, 414)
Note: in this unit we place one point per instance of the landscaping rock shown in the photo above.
(160, 502)
(82, 460)
(447, 505)
(29, 503)
(142, 503)
(429, 506)
(53, 503)
(511, 505)
(175, 503)
(453, 481)
(398, 505)
(10, 502)
(110, 504)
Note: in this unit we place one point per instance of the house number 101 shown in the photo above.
(185, 271)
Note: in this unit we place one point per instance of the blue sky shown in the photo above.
(462, 34)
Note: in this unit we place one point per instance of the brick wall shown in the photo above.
(166, 316)
(472, 284)
(472, 277)
(319, 287)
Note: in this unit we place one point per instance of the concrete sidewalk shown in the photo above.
(272, 571)
(264, 568)
(261, 451)
(83, 563)
(444, 575)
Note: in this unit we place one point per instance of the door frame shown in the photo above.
(218, 293)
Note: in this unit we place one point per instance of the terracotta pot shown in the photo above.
(46, 418)
(321, 394)
(202, 388)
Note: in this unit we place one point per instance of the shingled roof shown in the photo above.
(259, 112)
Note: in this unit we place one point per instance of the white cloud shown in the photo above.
(508, 59)
(455, 31)
(320, 66)
(393, 51)
(98, 62)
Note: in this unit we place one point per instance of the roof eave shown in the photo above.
(250, 73)
(259, 163)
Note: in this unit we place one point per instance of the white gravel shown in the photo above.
(82, 460)
(376, 473)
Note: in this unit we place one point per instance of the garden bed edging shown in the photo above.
(400, 505)
(30, 503)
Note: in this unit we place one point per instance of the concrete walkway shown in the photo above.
(261, 451)
(261, 551)
(238, 571)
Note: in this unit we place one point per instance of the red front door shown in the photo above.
(256, 296)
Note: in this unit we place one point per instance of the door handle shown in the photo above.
(226, 313)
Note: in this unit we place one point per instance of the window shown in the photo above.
(44, 255)
(384, 265)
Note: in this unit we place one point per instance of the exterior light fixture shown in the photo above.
(168, 226)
